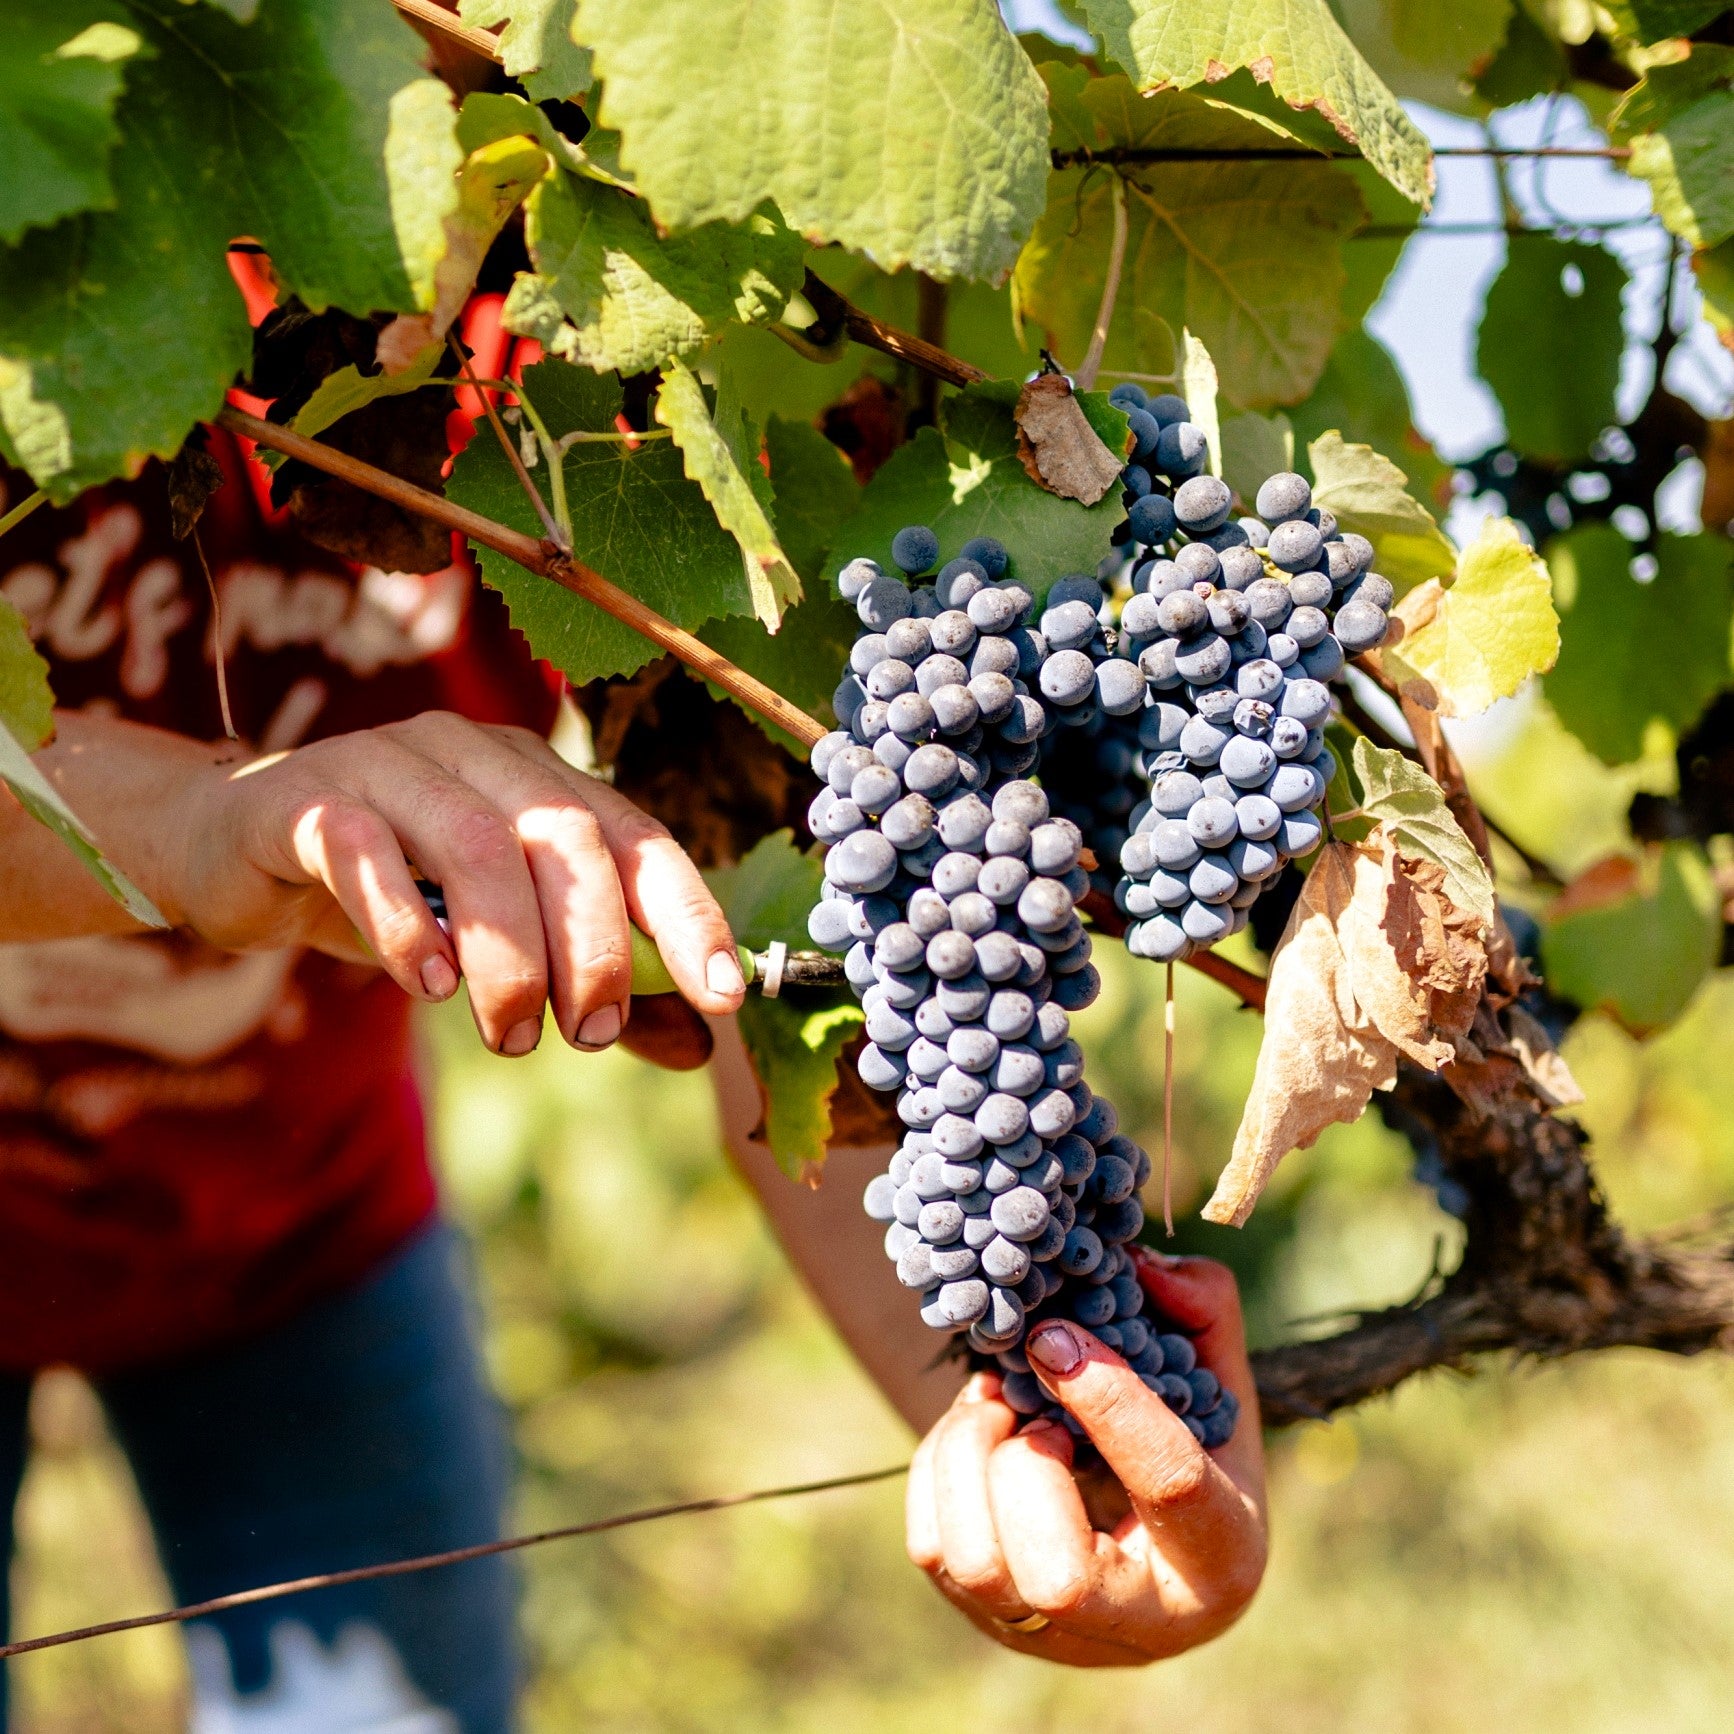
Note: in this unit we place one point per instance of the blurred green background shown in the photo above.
(1543, 1548)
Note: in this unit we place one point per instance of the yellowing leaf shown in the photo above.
(1479, 640)
(26, 699)
(722, 457)
(1370, 496)
(1198, 387)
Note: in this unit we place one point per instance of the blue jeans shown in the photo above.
(359, 1432)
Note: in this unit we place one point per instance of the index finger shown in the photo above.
(1207, 1530)
(1200, 1295)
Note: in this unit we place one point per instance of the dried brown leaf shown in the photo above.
(1376, 962)
(1542, 1061)
(1057, 445)
(1321, 1058)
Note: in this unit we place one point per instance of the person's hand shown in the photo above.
(541, 867)
(999, 1522)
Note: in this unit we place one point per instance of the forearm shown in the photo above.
(836, 1249)
(125, 782)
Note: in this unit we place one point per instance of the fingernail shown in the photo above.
(438, 979)
(600, 1028)
(1055, 1349)
(521, 1038)
(723, 976)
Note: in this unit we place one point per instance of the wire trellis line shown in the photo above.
(453, 1556)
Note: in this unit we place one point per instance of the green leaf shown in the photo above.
(1530, 62)
(1610, 685)
(1480, 638)
(119, 329)
(1198, 383)
(62, 63)
(26, 698)
(722, 456)
(636, 519)
(1641, 959)
(1361, 394)
(767, 894)
(815, 488)
(971, 483)
(815, 495)
(1295, 46)
(1368, 494)
(794, 1049)
(1550, 343)
(536, 47)
(610, 292)
(1680, 124)
(803, 659)
(1395, 791)
(1253, 447)
(1248, 255)
(350, 389)
(1425, 50)
(1715, 273)
(914, 131)
(39, 798)
(1647, 21)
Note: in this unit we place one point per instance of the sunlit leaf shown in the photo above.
(536, 46)
(1680, 124)
(1478, 639)
(912, 130)
(1610, 683)
(1370, 496)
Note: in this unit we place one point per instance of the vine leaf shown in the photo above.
(722, 456)
(27, 722)
(1605, 688)
(1550, 343)
(1636, 938)
(1370, 496)
(1679, 122)
(794, 1049)
(1057, 447)
(636, 519)
(610, 292)
(536, 47)
(815, 493)
(1248, 255)
(1376, 963)
(26, 699)
(62, 64)
(1198, 383)
(1477, 640)
(1398, 795)
(337, 394)
(1297, 47)
(723, 104)
(1424, 51)
(121, 328)
(970, 482)
(1254, 446)
(491, 184)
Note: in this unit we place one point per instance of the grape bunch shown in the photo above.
(1237, 628)
(951, 888)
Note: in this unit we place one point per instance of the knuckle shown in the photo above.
(1060, 1594)
(983, 1578)
(344, 828)
(1185, 1481)
(479, 838)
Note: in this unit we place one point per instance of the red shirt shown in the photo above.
(194, 1144)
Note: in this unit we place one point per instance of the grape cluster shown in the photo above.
(1237, 629)
(951, 888)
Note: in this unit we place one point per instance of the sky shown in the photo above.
(1428, 314)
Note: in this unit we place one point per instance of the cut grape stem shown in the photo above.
(540, 556)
